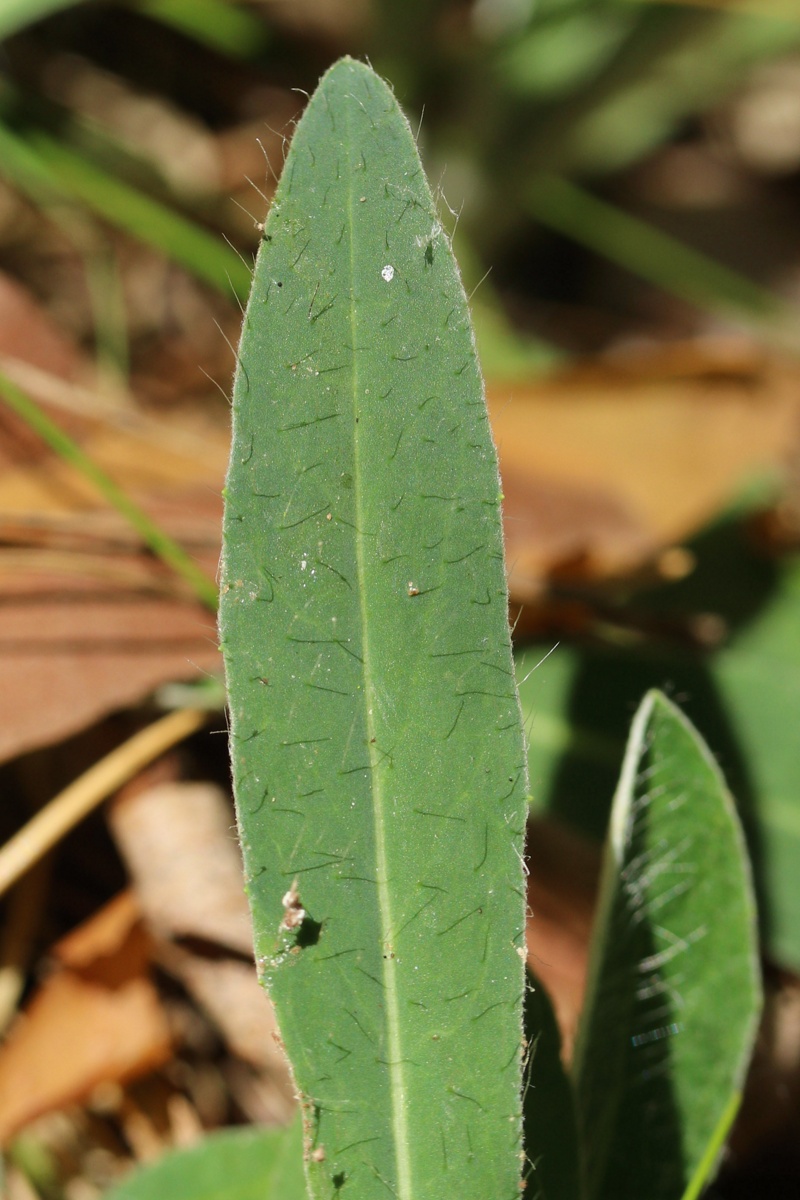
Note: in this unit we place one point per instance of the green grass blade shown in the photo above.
(52, 174)
(224, 26)
(162, 545)
(657, 257)
(377, 744)
(201, 252)
(234, 1164)
(674, 990)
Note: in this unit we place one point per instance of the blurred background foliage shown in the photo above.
(132, 115)
(623, 181)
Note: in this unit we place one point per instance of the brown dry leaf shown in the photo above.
(604, 467)
(562, 887)
(97, 1018)
(72, 653)
(179, 843)
(91, 622)
(28, 334)
(228, 992)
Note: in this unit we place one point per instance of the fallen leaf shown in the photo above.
(72, 654)
(92, 622)
(179, 843)
(28, 334)
(228, 992)
(605, 466)
(562, 888)
(96, 1018)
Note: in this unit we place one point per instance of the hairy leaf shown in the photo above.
(674, 992)
(376, 736)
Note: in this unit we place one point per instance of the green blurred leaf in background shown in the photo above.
(233, 1164)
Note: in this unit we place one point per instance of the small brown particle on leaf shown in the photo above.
(318, 1155)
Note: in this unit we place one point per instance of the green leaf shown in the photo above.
(234, 1164)
(707, 1165)
(377, 744)
(676, 61)
(744, 698)
(674, 994)
(559, 54)
(225, 26)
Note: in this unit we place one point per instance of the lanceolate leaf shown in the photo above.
(376, 736)
(673, 994)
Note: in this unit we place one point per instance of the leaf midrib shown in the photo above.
(395, 1059)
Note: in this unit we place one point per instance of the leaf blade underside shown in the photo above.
(377, 743)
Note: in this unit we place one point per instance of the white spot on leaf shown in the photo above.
(388, 273)
(293, 912)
